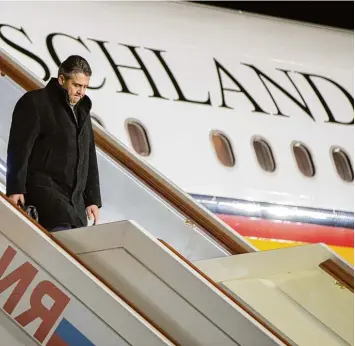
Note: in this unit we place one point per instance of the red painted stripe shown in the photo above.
(286, 230)
(55, 340)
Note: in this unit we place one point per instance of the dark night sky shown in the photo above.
(332, 13)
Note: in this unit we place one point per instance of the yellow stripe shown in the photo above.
(270, 244)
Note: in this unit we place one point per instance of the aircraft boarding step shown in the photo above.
(307, 292)
(81, 282)
(51, 299)
(261, 298)
(304, 295)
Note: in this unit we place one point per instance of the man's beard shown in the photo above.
(73, 102)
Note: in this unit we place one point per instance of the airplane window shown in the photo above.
(264, 155)
(303, 159)
(223, 148)
(138, 137)
(343, 165)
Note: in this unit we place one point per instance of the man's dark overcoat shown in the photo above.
(51, 158)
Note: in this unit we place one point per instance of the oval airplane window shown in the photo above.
(303, 159)
(138, 137)
(343, 165)
(264, 155)
(223, 149)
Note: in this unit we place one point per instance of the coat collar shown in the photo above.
(55, 88)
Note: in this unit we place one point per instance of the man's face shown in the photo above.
(76, 86)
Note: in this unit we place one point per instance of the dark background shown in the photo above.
(332, 13)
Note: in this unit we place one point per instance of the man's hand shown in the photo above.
(93, 211)
(18, 197)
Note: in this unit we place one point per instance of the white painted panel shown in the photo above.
(320, 295)
(12, 334)
(299, 325)
(161, 302)
(287, 287)
(271, 262)
(74, 312)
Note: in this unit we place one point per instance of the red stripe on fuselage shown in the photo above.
(291, 231)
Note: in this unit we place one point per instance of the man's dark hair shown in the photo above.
(74, 64)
